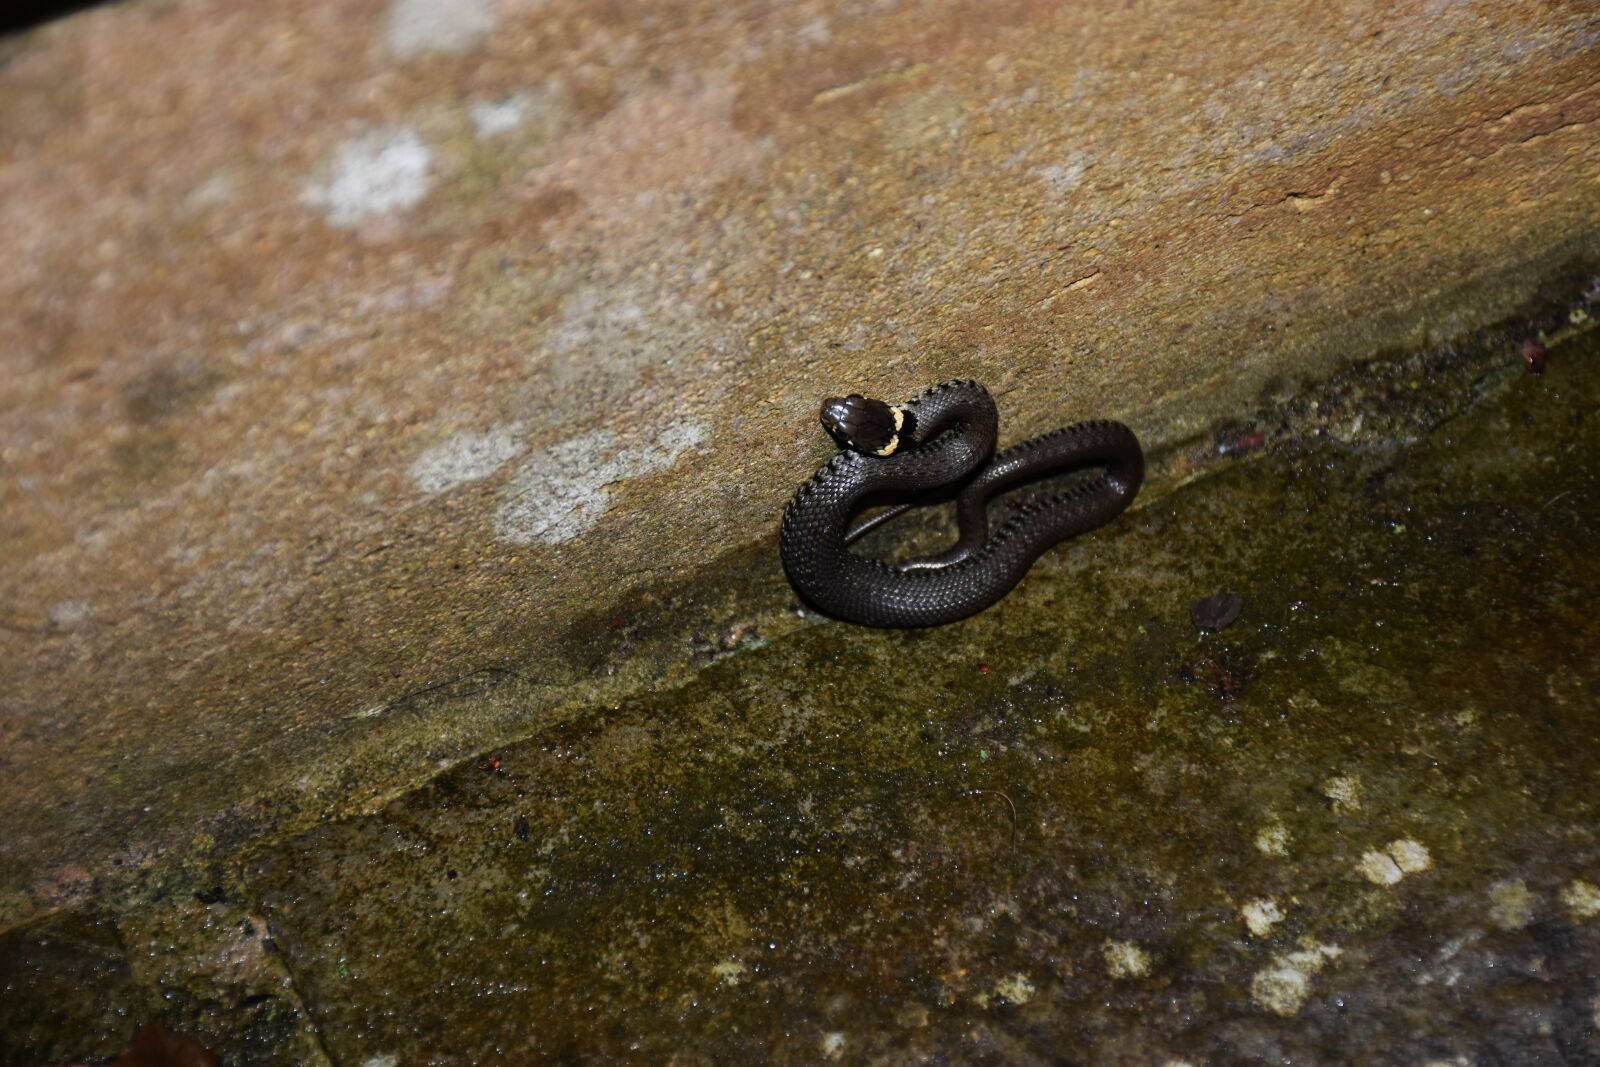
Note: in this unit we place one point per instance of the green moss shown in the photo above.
(841, 830)
(742, 829)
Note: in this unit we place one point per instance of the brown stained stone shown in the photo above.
(337, 367)
(1026, 838)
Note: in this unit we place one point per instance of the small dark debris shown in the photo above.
(212, 895)
(156, 1046)
(1213, 613)
(711, 647)
(1227, 673)
(520, 828)
(1534, 355)
(1241, 443)
(452, 874)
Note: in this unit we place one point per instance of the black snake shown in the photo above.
(940, 446)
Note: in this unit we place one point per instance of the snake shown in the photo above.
(935, 448)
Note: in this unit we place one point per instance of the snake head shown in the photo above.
(863, 425)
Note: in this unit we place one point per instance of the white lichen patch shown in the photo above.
(1261, 915)
(463, 457)
(1410, 856)
(540, 112)
(1379, 868)
(1273, 839)
(564, 490)
(69, 614)
(1510, 904)
(217, 190)
(491, 118)
(560, 491)
(416, 27)
(1285, 983)
(1063, 177)
(730, 972)
(1345, 792)
(1124, 959)
(609, 324)
(376, 173)
(387, 1059)
(1016, 988)
(1581, 899)
(1394, 861)
(832, 1044)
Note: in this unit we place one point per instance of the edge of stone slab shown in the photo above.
(1450, 313)
(734, 604)
(657, 637)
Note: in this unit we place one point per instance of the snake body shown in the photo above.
(948, 452)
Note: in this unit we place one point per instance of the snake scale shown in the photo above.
(938, 447)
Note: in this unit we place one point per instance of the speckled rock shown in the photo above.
(361, 358)
(1358, 826)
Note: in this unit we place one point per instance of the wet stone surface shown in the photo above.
(1357, 827)
(397, 401)
(66, 990)
(349, 348)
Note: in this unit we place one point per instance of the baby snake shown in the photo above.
(940, 446)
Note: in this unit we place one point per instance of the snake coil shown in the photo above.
(940, 446)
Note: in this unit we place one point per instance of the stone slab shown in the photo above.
(353, 350)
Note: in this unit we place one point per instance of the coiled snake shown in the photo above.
(940, 446)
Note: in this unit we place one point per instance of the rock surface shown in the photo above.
(1357, 826)
(370, 369)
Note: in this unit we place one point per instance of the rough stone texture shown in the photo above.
(362, 357)
(66, 991)
(1358, 825)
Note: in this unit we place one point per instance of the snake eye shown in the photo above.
(861, 424)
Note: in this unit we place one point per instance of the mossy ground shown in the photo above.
(1357, 826)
